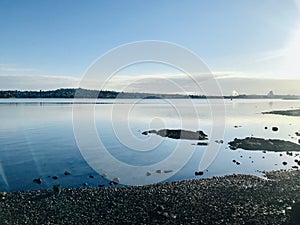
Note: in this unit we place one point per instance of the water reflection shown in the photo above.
(37, 140)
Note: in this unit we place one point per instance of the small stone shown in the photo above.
(91, 176)
(158, 171)
(104, 175)
(54, 177)
(85, 184)
(57, 189)
(3, 194)
(173, 216)
(202, 143)
(160, 208)
(38, 180)
(284, 163)
(168, 171)
(199, 173)
(275, 129)
(266, 128)
(67, 173)
(165, 214)
(101, 185)
(116, 180)
(148, 174)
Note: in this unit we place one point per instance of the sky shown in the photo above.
(251, 46)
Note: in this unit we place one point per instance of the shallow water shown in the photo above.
(37, 140)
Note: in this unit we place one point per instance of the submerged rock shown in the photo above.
(253, 143)
(199, 173)
(178, 134)
(67, 173)
(202, 143)
(38, 180)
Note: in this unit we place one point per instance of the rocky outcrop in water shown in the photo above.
(253, 143)
(292, 112)
(179, 134)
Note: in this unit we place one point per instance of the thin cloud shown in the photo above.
(42, 82)
(12, 68)
(160, 83)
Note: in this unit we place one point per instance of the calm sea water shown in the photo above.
(38, 140)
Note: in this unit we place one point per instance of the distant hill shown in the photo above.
(85, 93)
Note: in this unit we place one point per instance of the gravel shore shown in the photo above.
(234, 199)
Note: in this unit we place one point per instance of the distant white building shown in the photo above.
(235, 93)
(270, 94)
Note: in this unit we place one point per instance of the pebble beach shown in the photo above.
(233, 199)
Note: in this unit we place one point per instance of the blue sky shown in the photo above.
(61, 38)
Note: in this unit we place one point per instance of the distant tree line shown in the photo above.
(82, 93)
(85, 93)
(59, 93)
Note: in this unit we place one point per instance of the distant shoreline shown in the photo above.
(71, 93)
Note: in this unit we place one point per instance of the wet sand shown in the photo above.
(234, 199)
